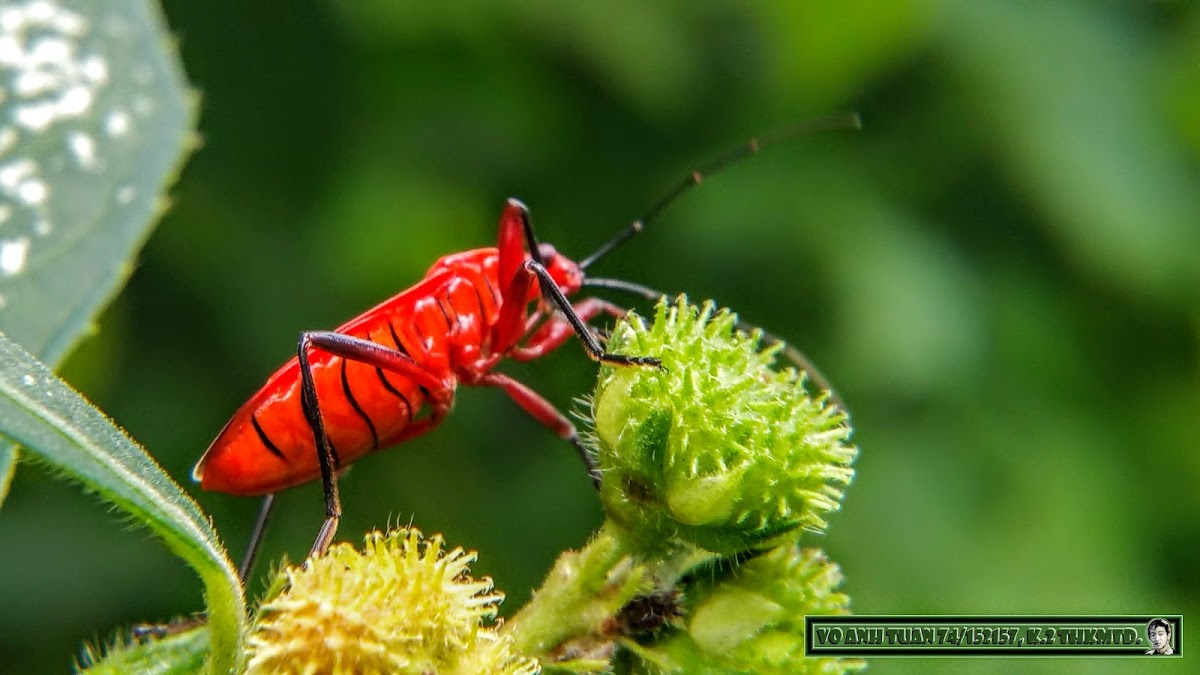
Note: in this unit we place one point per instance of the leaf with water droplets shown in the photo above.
(95, 117)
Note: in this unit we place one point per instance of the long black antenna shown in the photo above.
(750, 147)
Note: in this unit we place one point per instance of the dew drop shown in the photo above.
(12, 256)
(33, 191)
(117, 123)
(84, 149)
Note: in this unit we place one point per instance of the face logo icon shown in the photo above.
(1159, 632)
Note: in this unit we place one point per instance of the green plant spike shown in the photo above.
(95, 119)
(58, 426)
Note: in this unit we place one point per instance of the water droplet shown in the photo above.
(84, 149)
(12, 256)
(117, 123)
(33, 191)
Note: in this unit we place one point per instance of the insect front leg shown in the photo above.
(514, 224)
(370, 353)
(516, 278)
(591, 345)
(557, 330)
(510, 323)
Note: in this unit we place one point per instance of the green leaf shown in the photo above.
(95, 117)
(43, 414)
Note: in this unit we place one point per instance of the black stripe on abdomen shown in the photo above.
(266, 440)
(416, 329)
(396, 339)
(357, 408)
(399, 394)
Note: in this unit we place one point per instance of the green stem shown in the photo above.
(582, 591)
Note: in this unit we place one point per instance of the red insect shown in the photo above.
(366, 385)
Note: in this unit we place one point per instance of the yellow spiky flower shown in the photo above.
(405, 604)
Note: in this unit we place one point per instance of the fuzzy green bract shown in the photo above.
(718, 448)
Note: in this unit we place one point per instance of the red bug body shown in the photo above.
(447, 324)
(364, 386)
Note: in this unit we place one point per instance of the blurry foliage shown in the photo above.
(998, 273)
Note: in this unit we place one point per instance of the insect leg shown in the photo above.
(544, 412)
(557, 330)
(355, 349)
(591, 345)
(325, 455)
(514, 227)
(510, 323)
(256, 537)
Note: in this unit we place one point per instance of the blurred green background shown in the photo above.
(999, 273)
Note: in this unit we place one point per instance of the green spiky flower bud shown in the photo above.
(717, 448)
(749, 618)
(403, 605)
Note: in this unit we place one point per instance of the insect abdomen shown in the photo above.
(268, 445)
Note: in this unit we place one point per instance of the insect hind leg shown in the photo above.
(256, 538)
(325, 454)
(354, 349)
